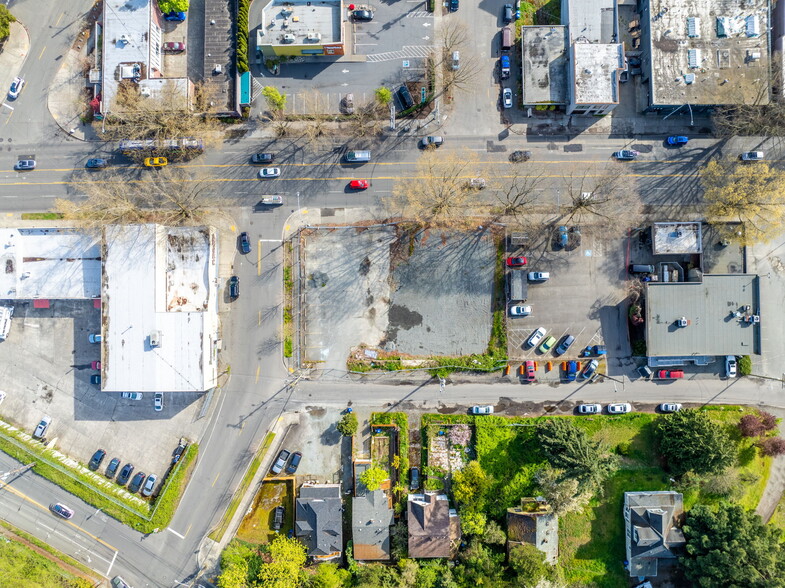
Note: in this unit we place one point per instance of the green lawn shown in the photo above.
(256, 527)
(21, 566)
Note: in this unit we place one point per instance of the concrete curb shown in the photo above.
(14, 54)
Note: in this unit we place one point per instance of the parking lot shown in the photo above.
(584, 297)
(46, 368)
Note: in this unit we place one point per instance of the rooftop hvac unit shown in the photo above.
(155, 339)
(753, 55)
(288, 38)
(124, 39)
(689, 78)
(694, 58)
(753, 26)
(313, 36)
(682, 322)
(694, 27)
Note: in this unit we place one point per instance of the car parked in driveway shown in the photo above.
(95, 461)
(149, 485)
(269, 172)
(245, 243)
(670, 374)
(546, 345)
(16, 87)
(520, 310)
(125, 473)
(25, 164)
(589, 408)
(515, 261)
(669, 407)
(43, 427)
(626, 154)
(565, 345)
(507, 97)
(136, 483)
(111, 469)
(487, 409)
(359, 184)
(589, 369)
(278, 516)
(619, 408)
(95, 379)
(280, 461)
(535, 338)
(530, 370)
(61, 510)
(730, 366)
(677, 140)
(294, 462)
(174, 46)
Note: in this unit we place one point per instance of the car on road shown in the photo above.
(111, 469)
(262, 158)
(626, 154)
(453, 5)
(269, 172)
(94, 337)
(95, 379)
(294, 462)
(131, 395)
(486, 409)
(730, 366)
(158, 402)
(42, 427)
(16, 87)
(507, 97)
(2, 396)
(280, 461)
(539, 276)
(136, 483)
(619, 408)
(536, 337)
(234, 287)
(245, 243)
(414, 478)
(570, 369)
(520, 156)
(507, 14)
(149, 485)
(125, 473)
(271, 200)
(95, 461)
(25, 164)
(565, 344)
(669, 407)
(427, 142)
(476, 183)
(752, 156)
(359, 184)
(156, 162)
(61, 510)
(589, 369)
(175, 16)
(670, 374)
(118, 582)
(96, 163)
(546, 345)
(677, 140)
(363, 15)
(589, 408)
(530, 370)
(173, 46)
(515, 261)
(562, 237)
(520, 310)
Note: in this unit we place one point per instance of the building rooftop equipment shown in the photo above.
(545, 60)
(677, 238)
(300, 22)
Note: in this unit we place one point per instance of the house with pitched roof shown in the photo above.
(434, 527)
(534, 523)
(318, 520)
(372, 516)
(653, 536)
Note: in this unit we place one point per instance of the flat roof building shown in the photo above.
(677, 238)
(594, 77)
(544, 55)
(590, 21)
(300, 27)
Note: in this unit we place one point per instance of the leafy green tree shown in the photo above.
(235, 565)
(275, 100)
(690, 442)
(470, 485)
(383, 95)
(284, 570)
(480, 566)
(348, 424)
(562, 493)
(173, 5)
(408, 569)
(529, 563)
(493, 534)
(731, 548)
(569, 448)
(378, 576)
(329, 575)
(373, 478)
(6, 18)
(472, 522)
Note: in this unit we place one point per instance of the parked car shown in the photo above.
(359, 184)
(619, 408)
(645, 371)
(156, 162)
(363, 15)
(589, 369)
(16, 87)
(269, 172)
(149, 485)
(271, 200)
(174, 46)
(536, 337)
(730, 366)
(125, 473)
(95, 461)
(95, 365)
(520, 156)
(111, 469)
(405, 96)
(178, 451)
(96, 163)
(539, 276)
(175, 16)
(61, 510)
(131, 395)
(677, 140)
(589, 408)
(520, 310)
(245, 243)
(414, 478)
(234, 287)
(427, 142)
(262, 158)
(453, 5)
(530, 370)
(507, 14)
(669, 407)
(670, 374)
(570, 369)
(294, 462)
(94, 338)
(158, 402)
(42, 427)
(626, 154)
(476, 183)
(487, 409)
(515, 261)
(565, 344)
(562, 236)
(278, 515)
(507, 97)
(25, 164)
(546, 345)
(136, 483)
(95, 379)
(280, 461)
(752, 156)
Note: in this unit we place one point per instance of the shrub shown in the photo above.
(6, 18)
(750, 425)
(383, 95)
(242, 35)
(772, 446)
(745, 365)
(173, 5)
(373, 478)
(460, 435)
(768, 420)
(276, 101)
(623, 448)
(348, 424)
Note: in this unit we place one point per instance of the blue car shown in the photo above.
(570, 370)
(175, 16)
(677, 140)
(562, 236)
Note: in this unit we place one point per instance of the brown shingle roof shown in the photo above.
(429, 525)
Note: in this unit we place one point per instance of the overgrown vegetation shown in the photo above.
(6, 18)
(745, 365)
(242, 35)
(21, 565)
(348, 424)
(401, 420)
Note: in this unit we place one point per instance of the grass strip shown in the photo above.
(218, 533)
(41, 216)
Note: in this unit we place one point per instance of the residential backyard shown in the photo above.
(256, 527)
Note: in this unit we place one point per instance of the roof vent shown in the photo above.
(155, 339)
(689, 78)
(694, 27)
(682, 322)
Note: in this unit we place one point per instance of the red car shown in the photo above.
(530, 368)
(96, 365)
(172, 46)
(359, 184)
(670, 375)
(516, 261)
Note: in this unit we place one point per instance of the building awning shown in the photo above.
(41, 303)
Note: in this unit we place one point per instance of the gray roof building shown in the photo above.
(372, 515)
(318, 520)
(544, 57)
(652, 534)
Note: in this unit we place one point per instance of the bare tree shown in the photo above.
(516, 198)
(366, 120)
(764, 115)
(455, 37)
(315, 107)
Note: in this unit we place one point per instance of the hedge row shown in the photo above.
(401, 420)
(242, 35)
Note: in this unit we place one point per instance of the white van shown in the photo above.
(358, 156)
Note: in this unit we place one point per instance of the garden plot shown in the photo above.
(449, 448)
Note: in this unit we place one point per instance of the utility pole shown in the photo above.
(21, 470)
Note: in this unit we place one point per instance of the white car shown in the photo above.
(752, 156)
(40, 430)
(730, 366)
(520, 310)
(539, 276)
(590, 409)
(269, 172)
(158, 401)
(16, 87)
(482, 409)
(619, 408)
(536, 337)
(669, 407)
(132, 395)
(476, 183)
(507, 98)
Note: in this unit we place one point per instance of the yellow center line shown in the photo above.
(62, 14)
(258, 370)
(259, 319)
(213, 484)
(42, 52)
(188, 529)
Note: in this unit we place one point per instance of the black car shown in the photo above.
(294, 462)
(278, 515)
(96, 163)
(414, 479)
(245, 243)
(262, 158)
(111, 469)
(178, 452)
(234, 287)
(95, 461)
(125, 473)
(280, 461)
(95, 379)
(363, 15)
(507, 14)
(453, 5)
(406, 97)
(136, 483)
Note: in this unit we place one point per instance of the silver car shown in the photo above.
(507, 98)
(669, 407)
(590, 409)
(619, 408)
(520, 310)
(269, 172)
(482, 409)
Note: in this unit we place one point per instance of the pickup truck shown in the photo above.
(505, 66)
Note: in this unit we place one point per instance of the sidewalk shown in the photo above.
(13, 55)
(66, 99)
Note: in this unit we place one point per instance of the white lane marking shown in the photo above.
(175, 532)
(111, 564)
(269, 240)
(8, 106)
